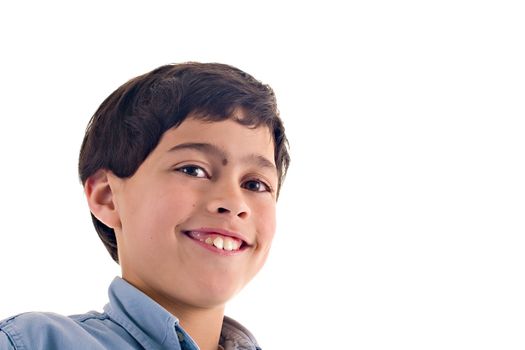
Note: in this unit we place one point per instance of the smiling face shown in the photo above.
(196, 221)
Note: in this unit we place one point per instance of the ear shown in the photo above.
(100, 197)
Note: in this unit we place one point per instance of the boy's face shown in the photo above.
(183, 214)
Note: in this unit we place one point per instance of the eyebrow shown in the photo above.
(219, 153)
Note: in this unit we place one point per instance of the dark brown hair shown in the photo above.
(128, 125)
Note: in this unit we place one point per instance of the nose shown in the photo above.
(226, 200)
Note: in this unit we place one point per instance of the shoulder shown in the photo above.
(45, 330)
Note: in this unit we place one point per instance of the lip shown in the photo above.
(222, 232)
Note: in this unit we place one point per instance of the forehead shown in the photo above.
(231, 137)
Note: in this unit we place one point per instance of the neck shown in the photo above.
(203, 325)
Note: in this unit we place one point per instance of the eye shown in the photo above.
(256, 186)
(192, 170)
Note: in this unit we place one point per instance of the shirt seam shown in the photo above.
(86, 317)
(130, 328)
(13, 334)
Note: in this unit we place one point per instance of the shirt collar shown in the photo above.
(141, 316)
(235, 336)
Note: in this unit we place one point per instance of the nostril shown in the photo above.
(223, 210)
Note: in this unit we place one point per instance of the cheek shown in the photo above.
(173, 207)
(157, 213)
(266, 223)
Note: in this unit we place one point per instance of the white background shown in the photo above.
(401, 223)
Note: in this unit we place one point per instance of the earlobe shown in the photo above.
(101, 199)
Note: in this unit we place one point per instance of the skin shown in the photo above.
(230, 185)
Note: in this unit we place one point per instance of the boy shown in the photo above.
(181, 168)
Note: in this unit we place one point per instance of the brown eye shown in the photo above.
(256, 186)
(192, 170)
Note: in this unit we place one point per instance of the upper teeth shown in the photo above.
(220, 242)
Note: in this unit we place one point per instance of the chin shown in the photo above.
(216, 293)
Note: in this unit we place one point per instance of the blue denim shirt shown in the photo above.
(131, 320)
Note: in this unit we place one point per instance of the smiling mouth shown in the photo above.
(217, 241)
